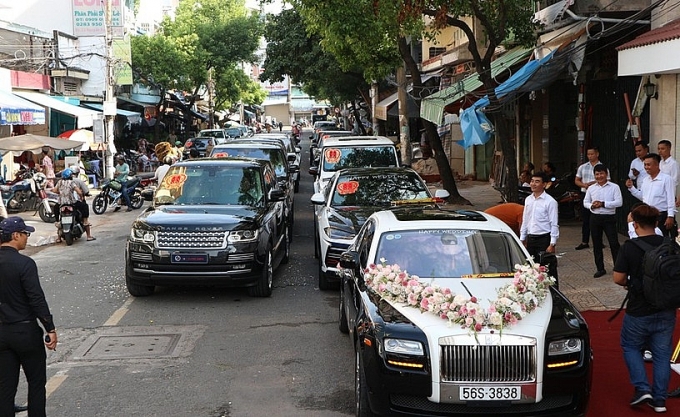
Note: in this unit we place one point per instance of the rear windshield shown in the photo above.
(337, 158)
(212, 133)
(378, 189)
(274, 156)
(198, 143)
(210, 185)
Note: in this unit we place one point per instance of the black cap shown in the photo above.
(15, 224)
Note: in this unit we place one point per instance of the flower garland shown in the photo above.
(524, 294)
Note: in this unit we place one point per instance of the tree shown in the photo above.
(373, 35)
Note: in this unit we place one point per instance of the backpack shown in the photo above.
(661, 273)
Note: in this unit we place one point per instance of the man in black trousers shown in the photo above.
(22, 301)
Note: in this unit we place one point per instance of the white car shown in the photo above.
(352, 195)
(449, 316)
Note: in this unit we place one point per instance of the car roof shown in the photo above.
(375, 171)
(249, 144)
(357, 140)
(230, 162)
(417, 218)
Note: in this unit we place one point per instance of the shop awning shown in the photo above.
(132, 116)
(302, 105)
(432, 107)
(382, 106)
(641, 55)
(17, 111)
(83, 116)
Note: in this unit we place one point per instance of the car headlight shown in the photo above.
(337, 233)
(565, 346)
(404, 347)
(242, 236)
(141, 235)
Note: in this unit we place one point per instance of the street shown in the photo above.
(189, 351)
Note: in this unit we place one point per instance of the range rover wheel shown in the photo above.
(264, 284)
(324, 285)
(342, 315)
(137, 290)
(286, 248)
(360, 388)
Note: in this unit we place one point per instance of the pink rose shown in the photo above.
(473, 299)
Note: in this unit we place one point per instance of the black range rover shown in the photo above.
(216, 221)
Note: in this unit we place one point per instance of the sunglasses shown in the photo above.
(25, 233)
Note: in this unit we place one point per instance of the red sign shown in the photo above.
(174, 180)
(332, 155)
(348, 187)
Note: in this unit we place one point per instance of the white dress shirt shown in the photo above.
(540, 217)
(658, 192)
(586, 174)
(609, 193)
(669, 166)
(638, 164)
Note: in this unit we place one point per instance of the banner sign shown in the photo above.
(89, 18)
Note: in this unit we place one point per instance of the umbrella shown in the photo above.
(81, 135)
(35, 143)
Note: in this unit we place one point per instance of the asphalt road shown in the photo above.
(187, 351)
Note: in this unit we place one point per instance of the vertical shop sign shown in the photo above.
(89, 18)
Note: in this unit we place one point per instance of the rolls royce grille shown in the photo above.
(192, 240)
(475, 363)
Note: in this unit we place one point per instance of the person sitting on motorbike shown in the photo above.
(121, 175)
(68, 192)
(80, 203)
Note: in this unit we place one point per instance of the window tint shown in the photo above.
(337, 158)
(275, 156)
(378, 189)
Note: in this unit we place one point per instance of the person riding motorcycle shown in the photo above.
(68, 191)
(80, 204)
(121, 175)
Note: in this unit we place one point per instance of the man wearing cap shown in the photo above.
(22, 301)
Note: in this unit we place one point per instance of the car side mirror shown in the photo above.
(314, 170)
(276, 195)
(294, 168)
(349, 260)
(318, 199)
(297, 148)
(441, 194)
(311, 136)
(292, 157)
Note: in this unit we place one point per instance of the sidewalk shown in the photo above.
(576, 268)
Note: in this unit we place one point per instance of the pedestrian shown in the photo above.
(657, 190)
(509, 213)
(643, 325)
(528, 167)
(280, 126)
(163, 169)
(80, 203)
(47, 167)
(602, 199)
(22, 301)
(540, 230)
(193, 153)
(585, 177)
(121, 175)
(668, 165)
(637, 171)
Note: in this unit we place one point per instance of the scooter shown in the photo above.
(70, 224)
(111, 195)
(29, 194)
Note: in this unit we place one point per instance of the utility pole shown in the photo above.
(109, 97)
(211, 112)
(403, 117)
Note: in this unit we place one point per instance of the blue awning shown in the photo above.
(133, 117)
(17, 111)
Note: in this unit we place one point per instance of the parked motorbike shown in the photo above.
(70, 224)
(148, 184)
(29, 194)
(111, 195)
(564, 191)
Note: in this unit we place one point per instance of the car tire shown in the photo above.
(265, 283)
(99, 204)
(317, 247)
(297, 185)
(137, 290)
(286, 248)
(324, 284)
(363, 409)
(343, 326)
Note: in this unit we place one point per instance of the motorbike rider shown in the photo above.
(68, 191)
(121, 175)
(80, 204)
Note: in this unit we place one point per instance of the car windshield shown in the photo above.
(212, 133)
(233, 132)
(274, 156)
(198, 143)
(379, 190)
(337, 158)
(450, 253)
(210, 184)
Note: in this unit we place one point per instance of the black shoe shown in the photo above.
(116, 209)
(19, 408)
(675, 393)
(659, 406)
(582, 246)
(129, 209)
(647, 356)
(598, 274)
(640, 397)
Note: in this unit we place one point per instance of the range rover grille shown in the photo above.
(475, 363)
(192, 240)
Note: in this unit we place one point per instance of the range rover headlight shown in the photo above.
(141, 235)
(242, 236)
(404, 347)
(565, 346)
(337, 233)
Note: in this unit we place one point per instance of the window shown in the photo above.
(435, 51)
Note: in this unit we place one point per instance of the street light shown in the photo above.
(651, 90)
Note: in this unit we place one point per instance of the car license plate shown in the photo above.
(500, 393)
(189, 258)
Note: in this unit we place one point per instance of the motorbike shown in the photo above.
(148, 184)
(70, 224)
(29, 194)
(111, 195)
(564, 191)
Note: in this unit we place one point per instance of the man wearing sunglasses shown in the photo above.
(22, 301)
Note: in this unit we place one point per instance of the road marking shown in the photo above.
(55, 382)
(118, 314)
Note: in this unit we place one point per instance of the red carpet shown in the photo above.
(611, 387)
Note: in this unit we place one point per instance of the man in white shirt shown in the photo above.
(602, 199)
(668, 165)
(637, 171)
(658, 191)
(540, 230)
(585, 177)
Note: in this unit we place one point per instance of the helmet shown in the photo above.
(75, 169)
(66, 174)
(178, 143)
(120, 158)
